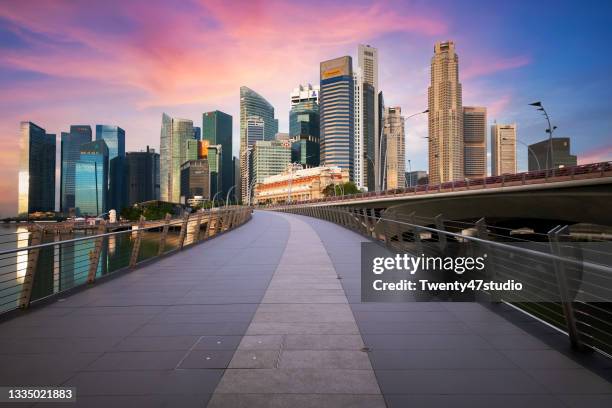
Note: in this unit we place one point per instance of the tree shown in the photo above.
(340, 189)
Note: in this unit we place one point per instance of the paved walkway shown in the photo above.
(258, 318)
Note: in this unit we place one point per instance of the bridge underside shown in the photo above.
(270, 315)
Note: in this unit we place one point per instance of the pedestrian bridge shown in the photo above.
(269, 315)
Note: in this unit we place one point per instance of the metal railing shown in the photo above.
(586, 171)
(566, 284)
(35, 265)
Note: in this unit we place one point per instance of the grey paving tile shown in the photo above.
(156, 343)
(295, 401)
(218, 343)
(254, 359)
(571, 381)
(425, 342)
(540, 359)
(137, 360)
(336, 359)
(472, 401)
(262, 342)
(439, 359)
(206, 359)
(323, 342)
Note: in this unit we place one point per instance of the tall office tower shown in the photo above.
(396, 148)
(71, 143)
(217, 129)
(255, 130)
(195, 180)
(215, 158)
(305, 93)
(36, 170)
(474, 141)
(539, 154)
(304, 133)
(91, 179)
(253, 104)
(114, 137)
(142, 176)
(197, 133)
(445, 116)
(337, 114)
(382, 149)
(270, 158)
(503, 149)
(237, 192)
(173, 153)
(367, 115)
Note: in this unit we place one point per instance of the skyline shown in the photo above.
(61, 66)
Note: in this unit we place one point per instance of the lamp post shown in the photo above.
(529, 150)
(409, 173)
(550, 130)
(215, 196)
(409, 164)
(228, 194)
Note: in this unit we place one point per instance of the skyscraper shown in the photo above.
(197, 133)
(173, 153)
(114, 137)
(215, 156)
(142, 176)
(255, 130)
(195, 180)
(270, 158)
(217, 129)
(367, 141)
(253, 104)
(396, 150)
(70, 152)
(475, 141)
(36, 170)
(337, 113)
(445, 116)
(304, 131)
(503, 149)
(91, 179)
(305, 93)
(539, 154)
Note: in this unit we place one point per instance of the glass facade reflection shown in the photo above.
(36, 170)
(142, 176)
(91, 181)
(173, 153)
(114, 137)
(71, 143)
(217, 129)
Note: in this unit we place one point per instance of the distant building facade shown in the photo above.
(142, 176)
(36, 185)
(539, 154)
(305, 93)
(270, 158)
(217, 129)
(114, 137)
(368, 161)
(299, 185)
(91, 188)
(173, 153)
(195, 180)
(337, 113)
(396, 149)
(416, 178)
(503, 149)
(445, 116)
(71, 143)
(475, 141)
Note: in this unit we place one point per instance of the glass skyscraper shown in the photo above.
(173, 153)
(337, 113)
(91, 179)
(36, 170)
(114, 137)
(253, 104)
(142, 176)
(304, 130)
(270, 158)
(217, 129)
(71, 143)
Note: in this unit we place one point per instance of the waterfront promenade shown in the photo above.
(269, 315)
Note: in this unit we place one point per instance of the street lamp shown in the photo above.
(215, 196)
(550, 130)
(409, 164)
(228, 194)
(529, 149)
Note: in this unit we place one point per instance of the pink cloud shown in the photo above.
(600, 154)
(481, 65)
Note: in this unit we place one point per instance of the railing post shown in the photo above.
(137, 241)
(164, 235)
(208, 222)
(566, 302)
(441, 236)
(196, 232)
(94, 256)
(28, 281)
(183, 232)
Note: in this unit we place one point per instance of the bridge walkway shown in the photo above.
(258, 317)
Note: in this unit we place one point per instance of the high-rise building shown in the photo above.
(215, 158)
(197, 133)
(382, 149)
(396, 149)
(255, 130)
(539, 154)
(337, 113)
(304, 133)
(305, 93)
(237, 192)
(252, 104)
(416, 178)
(36, 170)
(503, 149)
(270, 158)
(114, 137)
(173, 153)
(195, 180)
(217, 129)
(367, 125)
(445, 116)
(71, 143)
(142, 175)
(474, 141)
(91, 187)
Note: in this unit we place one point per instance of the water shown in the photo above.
(63, 266)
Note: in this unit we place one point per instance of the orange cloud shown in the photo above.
(600, 154)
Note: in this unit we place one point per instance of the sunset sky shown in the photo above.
(125, 62)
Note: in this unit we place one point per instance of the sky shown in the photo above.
(125, 62)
